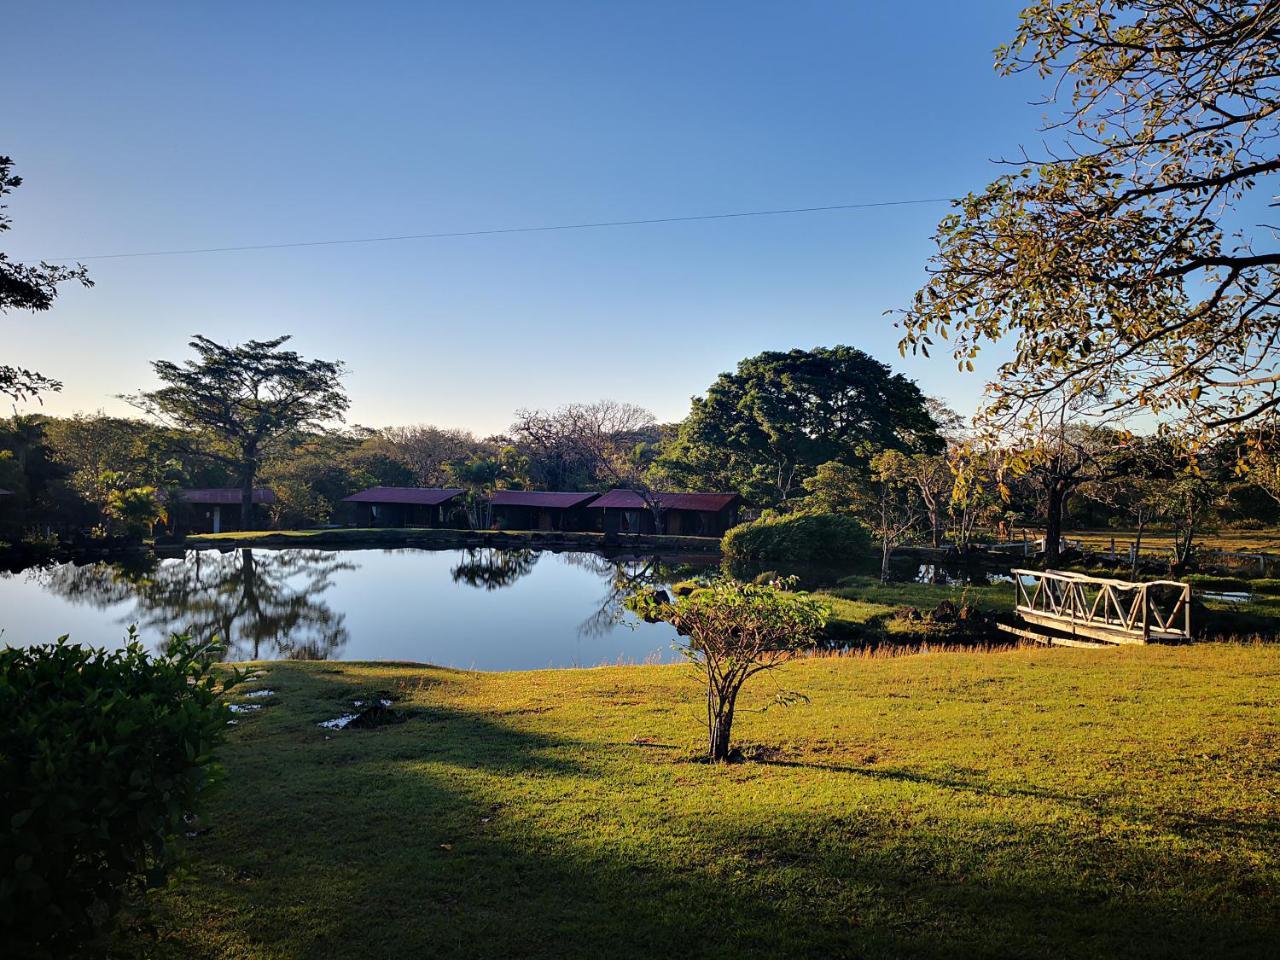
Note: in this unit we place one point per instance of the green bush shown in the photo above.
(803, 540)
(102, 753)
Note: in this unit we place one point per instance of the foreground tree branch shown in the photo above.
(27, 287)
(1118, 268)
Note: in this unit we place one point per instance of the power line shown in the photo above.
(501, 230)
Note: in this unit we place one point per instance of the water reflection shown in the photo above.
(484, 609)
(950, 575)
(262, 605)
(624, 576)
(491, 569)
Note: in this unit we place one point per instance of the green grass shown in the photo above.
(863, 608)
(1243, 541)
(1032, 803)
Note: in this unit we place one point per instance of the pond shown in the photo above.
(484, 609)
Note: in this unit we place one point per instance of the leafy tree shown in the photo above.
(1137, 496)
(934, 481)
(975, 496)
(311, 473)
(734, 631)
(26, 287)
(235, 404)
(481, 475)
(135, 510)
(1061, 448)
(892, 508)
(34, 475)
(1188, 487)
(835, 487)
(131, 453)
(1119, 263)
(765, 428)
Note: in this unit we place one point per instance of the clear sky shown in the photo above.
(141, 127)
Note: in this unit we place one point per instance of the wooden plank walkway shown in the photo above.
(1072, 607)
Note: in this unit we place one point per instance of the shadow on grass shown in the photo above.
(1259, 830)
(460, 834)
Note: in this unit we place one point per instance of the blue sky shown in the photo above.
(143, 127)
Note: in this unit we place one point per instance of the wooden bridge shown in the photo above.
(1077, 610)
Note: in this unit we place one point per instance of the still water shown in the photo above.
(485, 609)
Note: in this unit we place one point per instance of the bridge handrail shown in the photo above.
(1060, 596)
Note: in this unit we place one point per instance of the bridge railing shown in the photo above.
(1102, 608)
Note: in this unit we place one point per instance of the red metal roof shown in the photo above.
(702, 502)
(418, 496)
(225, 495)
(550, 499)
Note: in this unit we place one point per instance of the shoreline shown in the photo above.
(377, 537)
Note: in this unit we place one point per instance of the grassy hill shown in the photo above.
(1032, 803)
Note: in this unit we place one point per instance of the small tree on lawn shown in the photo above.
(735, 630)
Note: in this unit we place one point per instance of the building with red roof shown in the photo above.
(683, 514)
(405, 506)
(215, 509)
(540, 510)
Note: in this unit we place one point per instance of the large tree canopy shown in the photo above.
(26, 287)
(1129, 261)
(237, 401)
(766, 427)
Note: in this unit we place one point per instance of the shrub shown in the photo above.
(828, 540)
(102, 753)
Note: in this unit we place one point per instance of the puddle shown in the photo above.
(1228, 596)
(261, 693)
(338, 723)
(370, 714)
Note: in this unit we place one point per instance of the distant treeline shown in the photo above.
(826, 430)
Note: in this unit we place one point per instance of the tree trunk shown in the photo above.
(720, 728)
(722, 696)
(886, 551)
(1182, 541)
(248, 472)
(1053, 524)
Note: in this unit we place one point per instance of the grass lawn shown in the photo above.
(1032, 803)
(1242, 541)
(862, 607)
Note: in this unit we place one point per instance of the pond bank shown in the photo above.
(379, 537)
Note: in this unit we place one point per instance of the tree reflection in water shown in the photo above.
(623, 577)
(263, 604)
(492, 569)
